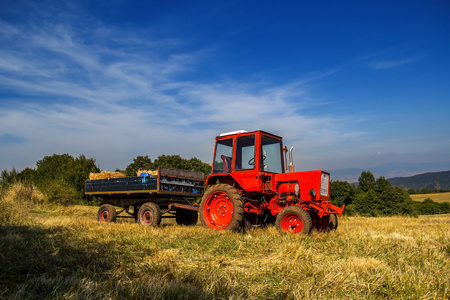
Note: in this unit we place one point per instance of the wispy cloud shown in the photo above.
(83, 98)
(112, 94)
(394, 63)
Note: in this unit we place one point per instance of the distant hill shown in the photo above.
(436, 180)
(392, 170)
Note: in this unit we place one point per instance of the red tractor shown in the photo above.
(249, 185)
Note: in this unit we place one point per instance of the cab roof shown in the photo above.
(246, 132)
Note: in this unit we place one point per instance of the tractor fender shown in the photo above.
(226, 178)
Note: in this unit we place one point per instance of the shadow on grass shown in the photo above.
(41, 263)
(38, 263)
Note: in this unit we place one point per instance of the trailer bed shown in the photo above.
(169, 181)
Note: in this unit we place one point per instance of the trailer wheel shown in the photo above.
(107, 213)
(185, 217)
(222, 208)
(294, 219)
(149, 214)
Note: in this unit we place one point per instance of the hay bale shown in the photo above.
(151, 172)
(105, 175)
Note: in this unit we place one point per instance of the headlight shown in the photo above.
(324, 183)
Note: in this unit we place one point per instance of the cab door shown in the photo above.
(246, 158)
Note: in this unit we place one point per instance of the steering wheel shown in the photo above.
(251, 162)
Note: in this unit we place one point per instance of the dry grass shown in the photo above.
(436, 197)
(66, 253)
(106, 175)
(17, 201)
(151, 172)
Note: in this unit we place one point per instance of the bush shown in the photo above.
(16, 201)
(58, 193)
(430, 207)
(372, 197)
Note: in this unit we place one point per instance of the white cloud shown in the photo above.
(76, 93)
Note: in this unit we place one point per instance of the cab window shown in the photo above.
(271, 155)
(223, 156)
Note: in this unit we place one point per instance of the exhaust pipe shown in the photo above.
(291, 161)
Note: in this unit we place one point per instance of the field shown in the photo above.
(436, 197)
(65, 253)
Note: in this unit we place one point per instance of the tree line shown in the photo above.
(377, 197)
(61, 177)
(427, 191)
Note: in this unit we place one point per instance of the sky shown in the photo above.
(348, 84)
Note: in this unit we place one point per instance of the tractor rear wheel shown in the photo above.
(107, 213)
(149, 214)
(222, 208)
(294, 219)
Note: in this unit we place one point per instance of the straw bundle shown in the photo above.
(105, 175)
(151, 172)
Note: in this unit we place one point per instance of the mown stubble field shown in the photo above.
(65, 253)
(436, 197)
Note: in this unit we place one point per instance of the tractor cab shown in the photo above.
(248, 159)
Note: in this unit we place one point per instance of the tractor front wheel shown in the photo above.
(294, 219)
(149, 214)
(222, 208)
(107, 213)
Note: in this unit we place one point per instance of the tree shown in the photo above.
(61, 177)
(366, 181)
(381, 184)
(8, 178)
(78, 171)
(176, 161)
(53, 167)
(429, 207)
(341, 192)
(27, 176)
(196, 164)
(367, 203)
(139, 163)
(170, 161)
(389, 201)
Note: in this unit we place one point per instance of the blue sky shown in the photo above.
(348, 84)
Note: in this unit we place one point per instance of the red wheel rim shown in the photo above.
(104, 215)
(292, 223)
(147, 217)
(218, 210)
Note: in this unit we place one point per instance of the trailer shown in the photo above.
(171, 193)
